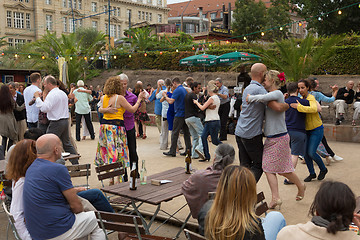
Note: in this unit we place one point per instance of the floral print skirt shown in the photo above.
(112, 146)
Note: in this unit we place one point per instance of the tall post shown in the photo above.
(73, 16)
(129, 19)
(108, 55)
(229, 16)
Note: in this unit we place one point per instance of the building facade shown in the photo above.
(23, 21)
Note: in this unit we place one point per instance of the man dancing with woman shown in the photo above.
(276, 154)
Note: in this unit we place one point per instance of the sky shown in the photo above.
(175, 1)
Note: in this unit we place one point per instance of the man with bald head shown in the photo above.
(51, 206)
(344, 96)
(249, 125)
(56, 107)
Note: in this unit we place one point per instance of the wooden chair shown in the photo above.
(109, 171)
(128, 226)
(11, 223)
(80, 170)
(193, 236)
(261, 206)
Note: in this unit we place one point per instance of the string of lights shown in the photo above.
(176, 49)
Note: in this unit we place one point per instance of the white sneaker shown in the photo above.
(337, 158)
(329, 159)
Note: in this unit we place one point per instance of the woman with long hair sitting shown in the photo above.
(232, 214)
(22, 156)
(333, 210)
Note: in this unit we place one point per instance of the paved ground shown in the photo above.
(346, 171)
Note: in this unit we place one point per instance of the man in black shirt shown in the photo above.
(193, 121)
(344, 96)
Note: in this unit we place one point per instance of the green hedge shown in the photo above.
(346, 60)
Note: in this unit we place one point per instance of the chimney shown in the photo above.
(201, 19)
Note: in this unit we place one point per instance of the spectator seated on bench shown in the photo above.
(344, 96)
(234, 202)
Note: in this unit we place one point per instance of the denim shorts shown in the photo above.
(297, 143)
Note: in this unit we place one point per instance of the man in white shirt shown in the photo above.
(56, 107)
(32, 112)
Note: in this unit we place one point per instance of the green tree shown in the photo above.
(320, 20)
(3, 42)
(278, 15)
(141, 39)
(249, 17)
(297, 59)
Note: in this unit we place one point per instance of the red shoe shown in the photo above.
(137, 135)
(144, 136)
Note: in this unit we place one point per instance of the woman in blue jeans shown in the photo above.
(314, 131)
(212, 119)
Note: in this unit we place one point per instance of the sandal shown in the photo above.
(299, 197)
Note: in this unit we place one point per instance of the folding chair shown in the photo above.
(109, 171)
(193, 236)
(11, 223)
(80, 170)
(261, 206)
(129, 226)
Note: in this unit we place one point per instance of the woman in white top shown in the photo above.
(22, 156)
(212, 119)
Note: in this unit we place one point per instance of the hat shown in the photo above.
(80, 83)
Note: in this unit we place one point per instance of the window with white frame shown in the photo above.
(106, 29)
(80, 23)
(74, 4)
(80, 4)
(8, 19)
(94, 24)
(118, 12)
(69, 3)
(119, 31)
(11, 42)
(143, 15)
(49, 22)
(213, 15)
(65, 24)
(149, 1)
(28, 41)
(94, 7)
(159, 2)
(28, 25)
(139, 15)
(112, 30)
(159, 18)
(147, 16)
(105, 8)
(64, 3)
(9, 79)
(150, 17)
(48, 2)
(18, 20)
(19, 42)
(221, 14)
(71, 25)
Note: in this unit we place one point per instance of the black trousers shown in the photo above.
(328, 149)
(88, 122)
(179, 123)
(250, 154)
(61, 129)
(224, 110)
(131, 141)
(6, 144)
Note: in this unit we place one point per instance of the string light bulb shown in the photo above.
(281, 28)
(339, 12)
(193, 48)
(227, 42)
(85, 58)
(161, 53)
(2, 54)
(29, 56)
(244, 38)
(70, 58)
(209, 44)
(300, 24)
(114, 56)
(16, 55)
(262, 33)
(42, 57)
(145, 54)
(130, 56)
(177, 50)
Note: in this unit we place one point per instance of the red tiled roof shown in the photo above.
(208, 6)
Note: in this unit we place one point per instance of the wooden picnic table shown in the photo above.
(152, 194)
